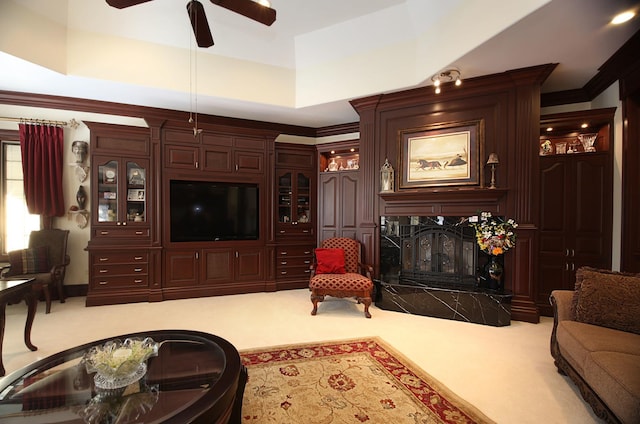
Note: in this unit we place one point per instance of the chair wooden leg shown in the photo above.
(47, 297)
(367, 302)
(61, 292)
(315, 299)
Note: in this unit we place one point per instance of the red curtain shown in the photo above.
(42, 148)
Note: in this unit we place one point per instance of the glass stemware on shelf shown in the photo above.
(588, 141)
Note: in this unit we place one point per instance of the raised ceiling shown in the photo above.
(304, 69)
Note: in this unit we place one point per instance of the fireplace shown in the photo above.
(432, 266)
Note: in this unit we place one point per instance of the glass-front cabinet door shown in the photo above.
(285, 194)
(303, 198)
(294, 197)
(136, 191)
(121, 190)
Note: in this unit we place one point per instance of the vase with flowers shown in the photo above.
(494, 236)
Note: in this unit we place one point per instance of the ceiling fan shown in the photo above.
(252, 9)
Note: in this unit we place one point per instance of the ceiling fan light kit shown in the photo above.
(257, 10)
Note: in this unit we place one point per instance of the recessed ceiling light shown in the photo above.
(623, 17)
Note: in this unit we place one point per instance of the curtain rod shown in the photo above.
(73, 123)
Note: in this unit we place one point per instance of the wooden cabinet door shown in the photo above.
(575, 220)
(249, 265)
(217, 266)
(337, 215)
(181, 157)
(181, 268)
(217, 159)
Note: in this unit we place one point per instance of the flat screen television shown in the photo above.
(213, 211)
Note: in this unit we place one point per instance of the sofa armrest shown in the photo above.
(562, 301)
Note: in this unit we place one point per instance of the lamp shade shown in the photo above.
(493, 159)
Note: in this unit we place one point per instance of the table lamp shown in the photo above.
(493, 162)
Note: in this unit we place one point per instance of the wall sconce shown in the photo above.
(386, 177)
(448, 75)
(493, 162)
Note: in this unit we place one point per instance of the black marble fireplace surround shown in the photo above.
(432, 266)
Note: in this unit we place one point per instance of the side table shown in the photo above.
(15, 291)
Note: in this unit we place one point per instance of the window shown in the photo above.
(17, 223)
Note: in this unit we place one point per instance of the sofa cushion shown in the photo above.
(577, 340)
(329, 261)
(29, 261)
(608, 299)
(615, 377)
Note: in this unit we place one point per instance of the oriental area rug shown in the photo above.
(352, 381)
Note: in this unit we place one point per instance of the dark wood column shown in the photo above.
(368, 194)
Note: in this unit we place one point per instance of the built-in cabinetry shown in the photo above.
(119, 249)
(338, 189)
(575, 198)
(215, 266)
(295, 203)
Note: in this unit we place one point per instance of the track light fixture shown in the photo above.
(447, 75)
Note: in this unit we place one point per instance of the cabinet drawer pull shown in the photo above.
(103, 259)
(283, 253)
(139, 233)
(137, 281)
(137, 258)
(307, 271)
(283, 272)
(137, 269)
(283, 263)
(103, 271)
(102, 283)
(104, 233)
(307, 262)
(307, 252)
(282, 231)
(305, 231)
(566, 266)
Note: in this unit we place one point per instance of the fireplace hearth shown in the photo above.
(432, 266)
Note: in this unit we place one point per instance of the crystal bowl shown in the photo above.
(120, 363)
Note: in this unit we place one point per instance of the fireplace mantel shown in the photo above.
(444, 201)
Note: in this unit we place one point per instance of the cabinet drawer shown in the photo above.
(120, 258)
(121, 232)
(295, 230)
(300, 272)
(123, 281)
(289, 261)
(292, 251)
(120, 269)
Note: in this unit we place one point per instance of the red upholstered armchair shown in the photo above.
(338, 272)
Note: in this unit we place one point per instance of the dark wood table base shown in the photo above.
(13, 291)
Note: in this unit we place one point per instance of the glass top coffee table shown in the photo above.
(196, 378)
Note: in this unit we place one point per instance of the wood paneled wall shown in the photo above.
(508, 105)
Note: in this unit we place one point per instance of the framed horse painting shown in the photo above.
(444, 154)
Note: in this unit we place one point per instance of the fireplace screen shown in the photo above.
(434, 251)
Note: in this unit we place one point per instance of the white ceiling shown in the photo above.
(304, 69)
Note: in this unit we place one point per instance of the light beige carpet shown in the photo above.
(349, 381)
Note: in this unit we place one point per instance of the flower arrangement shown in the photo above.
(118, 363)
(495, 236)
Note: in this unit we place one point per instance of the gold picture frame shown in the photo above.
(445, 154)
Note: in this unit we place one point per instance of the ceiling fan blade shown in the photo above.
(121, 4)
(199, 24)
(250, 9)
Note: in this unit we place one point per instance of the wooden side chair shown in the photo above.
(45, 260)
(338, 272)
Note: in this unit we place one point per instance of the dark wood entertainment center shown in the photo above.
(132, 257)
